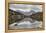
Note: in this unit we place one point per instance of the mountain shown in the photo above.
(37, 16)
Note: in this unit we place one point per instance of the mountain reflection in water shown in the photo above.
(26, 23)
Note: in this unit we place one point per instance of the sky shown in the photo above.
(26, 7)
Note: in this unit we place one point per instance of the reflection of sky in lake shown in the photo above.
(27, 10)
